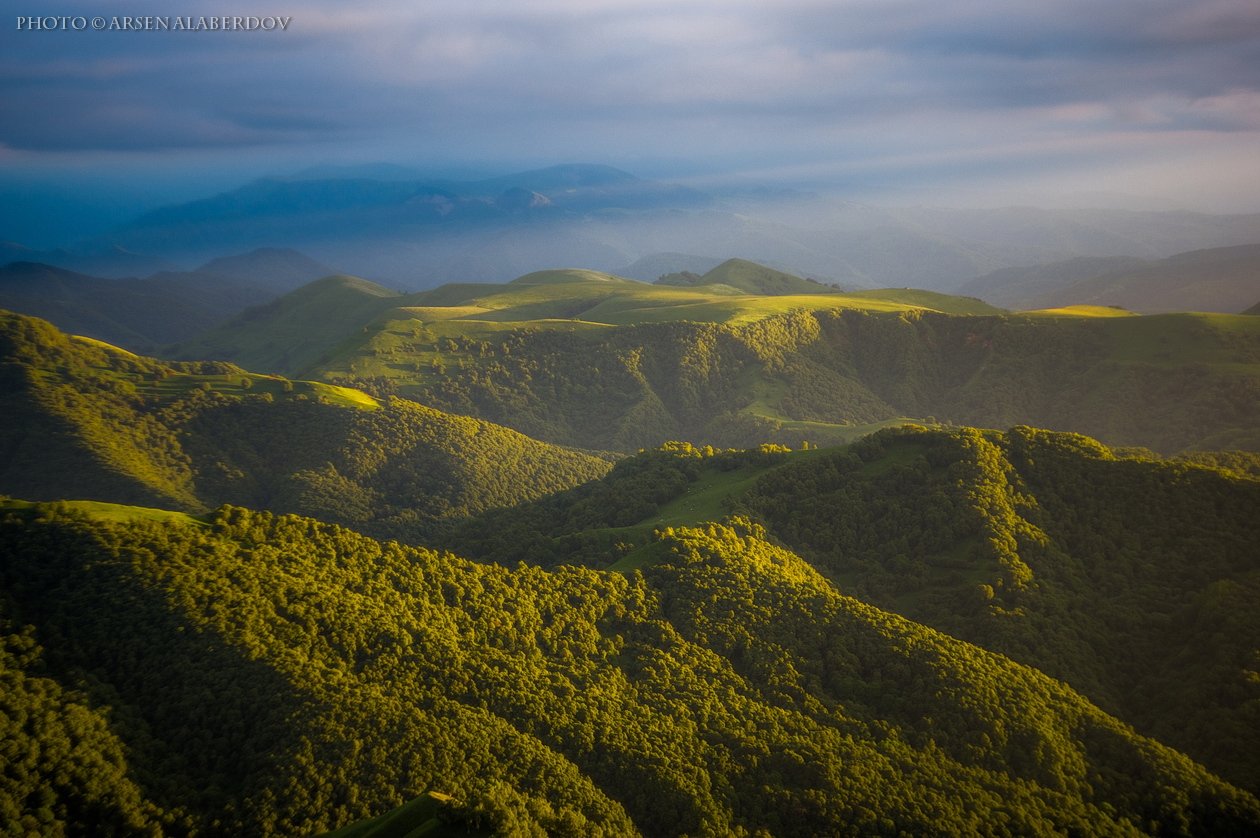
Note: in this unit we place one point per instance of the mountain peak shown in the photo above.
(748, 277)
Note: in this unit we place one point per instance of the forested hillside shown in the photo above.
(594, 361)
(252, 674)
(1169, 383)
(931, 630)
(1126, 576)
(86, 420)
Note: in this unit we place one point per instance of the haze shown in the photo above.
(1135, 103)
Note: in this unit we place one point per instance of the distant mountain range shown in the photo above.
(1224, 279)
(96, 258)
(396, 225)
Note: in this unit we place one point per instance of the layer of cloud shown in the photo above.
(805, 85)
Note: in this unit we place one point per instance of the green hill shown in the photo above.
(433, 814)
(296, 331)
(748, 277)
(1170, 382)
(594, 361)
(86, 420)
(276, 675)
(144, 314)
(1125, 576)
(307, 330)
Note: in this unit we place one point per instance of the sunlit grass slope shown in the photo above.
(307, 329)
(1080, 311)
(85, 420)
(595, 361)
(1168, 382)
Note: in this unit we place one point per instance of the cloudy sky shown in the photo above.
(960, 102)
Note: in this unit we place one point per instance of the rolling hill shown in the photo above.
(1022, 286)
(748, 277)
(928, 630)
(1224, 279)
(651, 267)
(590, 360)
(170, 306)
(307, 329)
(86, 420)
(100, 259)
(277, 675)
(1122, 575)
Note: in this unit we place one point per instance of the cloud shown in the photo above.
(811, 84)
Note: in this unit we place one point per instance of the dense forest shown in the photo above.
(250, 674)
(1124, 575)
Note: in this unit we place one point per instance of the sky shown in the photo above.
(967, 102)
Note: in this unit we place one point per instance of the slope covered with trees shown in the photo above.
(278, 675)
(86, 420)
(590, 360)
(1170, 382)
(1124, 575)
(310, 328)
(940, 630)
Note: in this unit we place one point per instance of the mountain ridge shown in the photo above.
(415, 231)
(160, 309)
(90, 421)
(1097, 566)
(1224, 279)
(555, 683)
(713, 365)
(721, 642)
